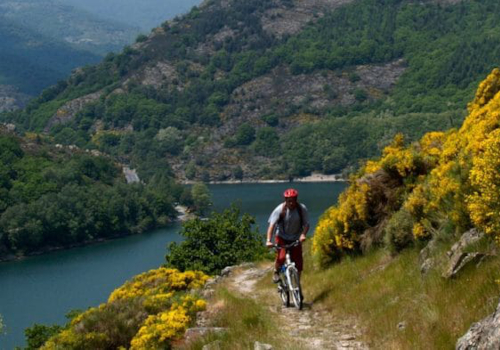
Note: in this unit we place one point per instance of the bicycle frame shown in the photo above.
(290, 281)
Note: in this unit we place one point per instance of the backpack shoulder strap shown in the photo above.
(283, 212)
(299, 209)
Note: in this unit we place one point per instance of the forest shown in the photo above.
(52, 198)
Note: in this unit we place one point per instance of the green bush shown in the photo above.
(245, 134)
(38, 334)
(201, 198)
(224, 239)
(267, 142)
(398, 232)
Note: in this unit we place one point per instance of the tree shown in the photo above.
(38, 334)
(201, 197)
(190, 171)
(238, 173)
(267, 142)
(245, 134)
(224, 239)
(170, 140)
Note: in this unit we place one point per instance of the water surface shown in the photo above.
(43, 289)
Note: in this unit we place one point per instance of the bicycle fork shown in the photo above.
(288, 264)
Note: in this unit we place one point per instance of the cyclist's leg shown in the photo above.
(296, 255)
(280, 255)
(279, 260)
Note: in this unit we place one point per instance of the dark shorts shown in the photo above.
(295, 254)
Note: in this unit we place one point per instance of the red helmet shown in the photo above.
(290, 193)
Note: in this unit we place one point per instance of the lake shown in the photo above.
(42, 289)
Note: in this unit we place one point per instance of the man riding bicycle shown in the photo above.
(290, 220)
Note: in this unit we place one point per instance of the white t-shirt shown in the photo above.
(289, 229)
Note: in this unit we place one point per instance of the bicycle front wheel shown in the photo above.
(295, 289)
(285, 296)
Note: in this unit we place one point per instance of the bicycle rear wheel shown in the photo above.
(295, 288)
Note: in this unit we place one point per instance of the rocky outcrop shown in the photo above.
(262, 346)
(131, 175)
(459, 257)
(11, 98)
(288, 20)
(68, 111)
(483, 335)
(161, 73)
(426, 259)
(319, 91)
(197, 332)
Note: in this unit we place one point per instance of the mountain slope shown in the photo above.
(276, 89)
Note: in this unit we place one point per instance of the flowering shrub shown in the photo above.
(147, 312)
(484, 202)
(159, 282)
(449, 176)
(160, 329)
(337, 228)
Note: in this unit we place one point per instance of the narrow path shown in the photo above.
(313, 327)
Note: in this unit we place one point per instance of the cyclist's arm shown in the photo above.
(305, 229)
(270, 231)
(273, 221)
(304, 233)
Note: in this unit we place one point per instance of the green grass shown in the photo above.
(381, 291)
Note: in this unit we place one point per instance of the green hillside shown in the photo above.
(251, 90)
(60, 197)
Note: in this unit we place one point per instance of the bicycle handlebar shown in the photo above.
(287, 246)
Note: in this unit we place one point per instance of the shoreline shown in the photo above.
(181, 217)
(306, 179)
(183, 214)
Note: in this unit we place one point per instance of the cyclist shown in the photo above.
(290, 221)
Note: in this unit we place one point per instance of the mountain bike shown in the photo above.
(289, 284)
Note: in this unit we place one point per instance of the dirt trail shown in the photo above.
(313, 327)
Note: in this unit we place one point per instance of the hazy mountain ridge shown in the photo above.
(147, 14)
(42, 41)
(60, 22)
(31, 61)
